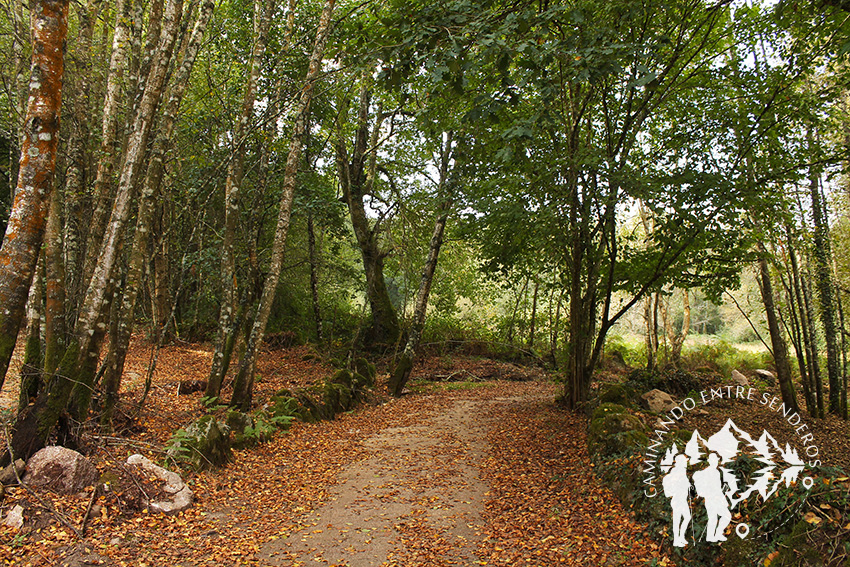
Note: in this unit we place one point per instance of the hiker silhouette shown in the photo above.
(677, 487)
(708, 483)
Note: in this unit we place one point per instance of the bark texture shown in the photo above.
(227, 327)
(244, 384)
(25, 229)
(777, 340)
(120, 340)
(356, 179)
(401, 373)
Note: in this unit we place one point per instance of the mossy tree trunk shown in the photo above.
(71, 387)
(356, 175)
(826, 292)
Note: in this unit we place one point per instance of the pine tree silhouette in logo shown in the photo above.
(712, 463)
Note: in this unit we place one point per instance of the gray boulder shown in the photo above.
(15, 517)
(61, 470)
(658, 401)
(181, 494)
(740, 379)
(766, 375)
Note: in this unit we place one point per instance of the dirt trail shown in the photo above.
(492, 474)
(426, 474)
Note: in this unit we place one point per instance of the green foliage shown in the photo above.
(722, 357)
(632, 352)
(614, 431)
(675, 382)
(203, 444)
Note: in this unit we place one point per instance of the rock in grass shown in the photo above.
(658, 401)
(766, 375)
(740, 379)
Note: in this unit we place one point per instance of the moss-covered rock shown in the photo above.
(283, 404)
(343, 376)
(612, 432)
(366, 370)
(242, 429)
(313, 401)
(616, 394)
(205, 443)
(603, 410)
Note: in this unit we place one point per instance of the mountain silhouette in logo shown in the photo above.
(718, 467)
(731, 442)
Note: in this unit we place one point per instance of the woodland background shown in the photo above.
(537, 177)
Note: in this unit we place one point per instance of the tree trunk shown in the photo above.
(244, 383)
(532, 329)
(650, 317)
(109, 150)
(54, 313)
(31, 372)
(801, 345)
(20, 33)
(826, 293)
(25, 229)
(120, 340)
(77, 158)
(233, 185)
(96, 295)
(401, 373)
(812, 343)
(161, 292)
(356, 182)
(677, 339)
(780, 350)
(314, 276)
(509, 338)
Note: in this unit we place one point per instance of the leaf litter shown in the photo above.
(489, 474)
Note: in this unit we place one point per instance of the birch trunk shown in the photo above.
(31, 381)
(401, 373)
(120, 340)
(244, 384)
(227, 330)
(109, 149)
(25, 229)
(77, 158)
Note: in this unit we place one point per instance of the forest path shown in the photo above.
(422, 477)
(456, 474)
